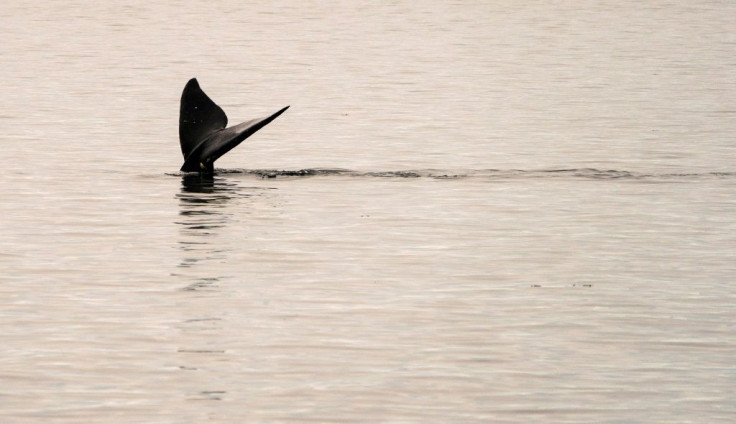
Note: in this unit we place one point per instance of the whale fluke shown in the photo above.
(202, 131)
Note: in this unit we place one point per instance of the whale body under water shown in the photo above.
(202, 129)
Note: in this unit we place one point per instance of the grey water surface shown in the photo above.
(483, 211)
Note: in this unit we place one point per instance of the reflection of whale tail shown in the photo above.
(202, 131)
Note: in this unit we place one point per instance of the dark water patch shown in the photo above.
(202, 284)
(393, 174)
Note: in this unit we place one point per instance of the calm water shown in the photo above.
(509, 213)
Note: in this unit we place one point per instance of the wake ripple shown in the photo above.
(584, 173)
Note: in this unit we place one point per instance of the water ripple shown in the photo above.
(581, 173)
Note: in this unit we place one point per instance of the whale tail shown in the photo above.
(202, 129)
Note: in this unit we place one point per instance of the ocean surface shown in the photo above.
(473, 212)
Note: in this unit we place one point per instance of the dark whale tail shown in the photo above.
(202, 131)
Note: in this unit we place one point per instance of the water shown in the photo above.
(488, 212)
